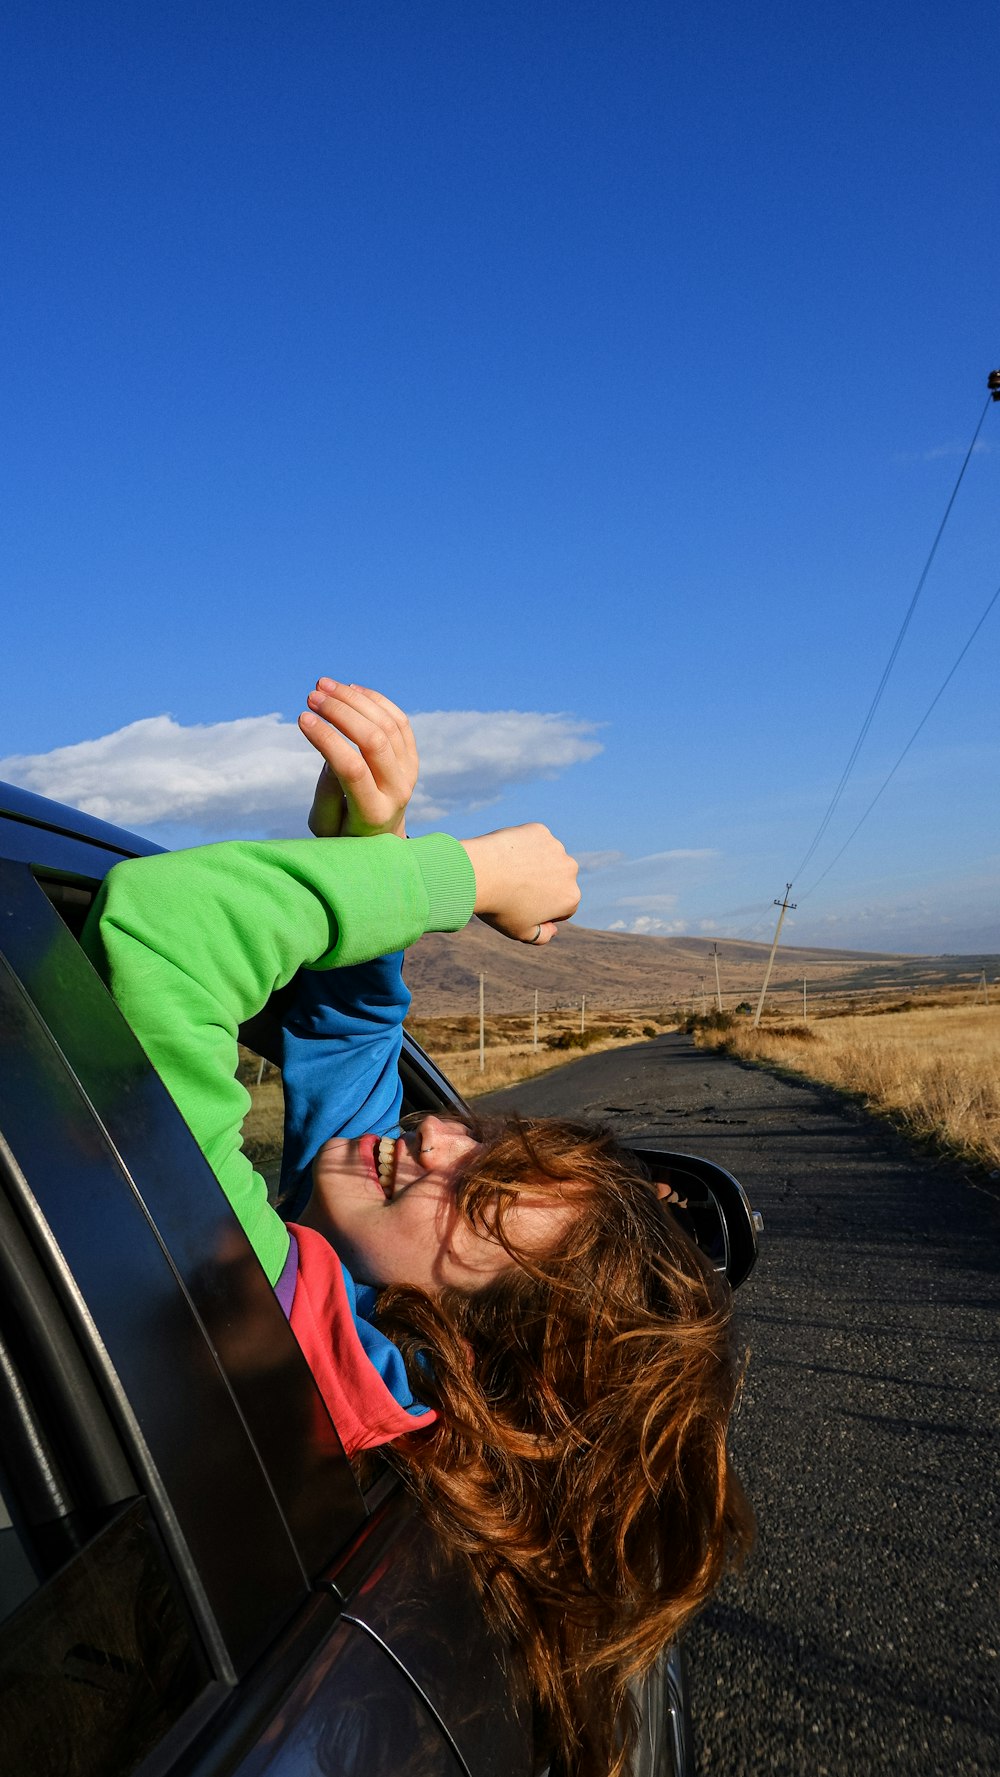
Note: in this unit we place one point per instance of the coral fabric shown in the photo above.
(364, 1411)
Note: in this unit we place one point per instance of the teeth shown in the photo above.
(385, 1160)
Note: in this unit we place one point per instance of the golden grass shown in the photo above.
(454, 1044)
(508, 1063)
(264, 1123)
(509, 1052)
(935, 1069)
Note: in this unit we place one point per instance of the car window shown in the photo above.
(263, 1126)
(98, 1655)
(100, 1660)
(97, 1090)
(17, 1575)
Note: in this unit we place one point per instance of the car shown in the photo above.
(193, 1578)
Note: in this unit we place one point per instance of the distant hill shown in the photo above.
(619, 969)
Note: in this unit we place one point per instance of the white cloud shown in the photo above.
(256, 773)
(648, 926)
(473, 756)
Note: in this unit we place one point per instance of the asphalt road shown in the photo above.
(864, 1635)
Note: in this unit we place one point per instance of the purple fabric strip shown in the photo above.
(284, 1289)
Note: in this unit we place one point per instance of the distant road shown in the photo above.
(865, 1637)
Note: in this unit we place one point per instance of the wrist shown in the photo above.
(481, 856)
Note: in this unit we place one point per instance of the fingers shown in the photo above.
(547, 932)
(343, 759)
(370, 753)
(329, 806)
(377, 727)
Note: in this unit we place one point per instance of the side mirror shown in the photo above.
(710, 1205)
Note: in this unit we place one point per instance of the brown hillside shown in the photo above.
(619, 969)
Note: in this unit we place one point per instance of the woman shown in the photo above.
(510, 1310)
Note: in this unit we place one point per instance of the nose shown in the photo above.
(442, 1142)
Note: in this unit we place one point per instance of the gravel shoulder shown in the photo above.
(865, 1634)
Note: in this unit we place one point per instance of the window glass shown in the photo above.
(100, 1661)
(17, 1575)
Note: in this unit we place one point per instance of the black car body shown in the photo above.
(192, 1580)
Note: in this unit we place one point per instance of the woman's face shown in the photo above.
(388, 1208)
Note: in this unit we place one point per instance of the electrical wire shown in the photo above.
(890, 663)
(887, 780)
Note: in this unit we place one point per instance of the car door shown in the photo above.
(310, 1600)
(213, 1432)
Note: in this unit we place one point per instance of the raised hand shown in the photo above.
(525, 881)
(370, 759)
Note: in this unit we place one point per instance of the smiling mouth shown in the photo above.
(386, 1149)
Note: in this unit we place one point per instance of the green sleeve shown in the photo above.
(191, 943)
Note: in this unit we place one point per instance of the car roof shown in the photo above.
(23, 808)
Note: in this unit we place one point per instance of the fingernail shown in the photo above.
(315, 697)
(328, 684)
(307, 719)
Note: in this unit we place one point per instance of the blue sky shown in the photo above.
(607, 364)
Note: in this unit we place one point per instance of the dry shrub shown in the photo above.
(509, 1063)
(937, 1070)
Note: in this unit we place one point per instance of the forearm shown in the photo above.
(192, 943)
(342, 1033)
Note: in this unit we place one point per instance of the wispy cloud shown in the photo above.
(593, 861)
(590, 861)
(982, 447)
(680, 854)
(938, 452)
(652, 903)
(255, 774)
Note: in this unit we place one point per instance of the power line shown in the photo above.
(897, 644)
(888, 779)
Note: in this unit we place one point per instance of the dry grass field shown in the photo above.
(936, 1069)
(510, 1054)
(453, 1043)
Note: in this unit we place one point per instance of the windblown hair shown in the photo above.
(579, 1462)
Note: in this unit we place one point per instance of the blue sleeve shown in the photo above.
(341, 1038)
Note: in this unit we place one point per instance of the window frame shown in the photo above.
(84, 1097)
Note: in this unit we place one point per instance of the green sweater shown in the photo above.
(191, 943)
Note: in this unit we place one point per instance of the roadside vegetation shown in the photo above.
(453, 1043)
(509, 1051)
(934, 1068)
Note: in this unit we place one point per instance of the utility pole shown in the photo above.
(805, 1014)
(583, 1008)
(704, 1002)
(534, 1027)
(718, 989)
(986, 991)
(482, 1025)
(784, 905)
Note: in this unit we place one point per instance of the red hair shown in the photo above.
(579, 1464)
